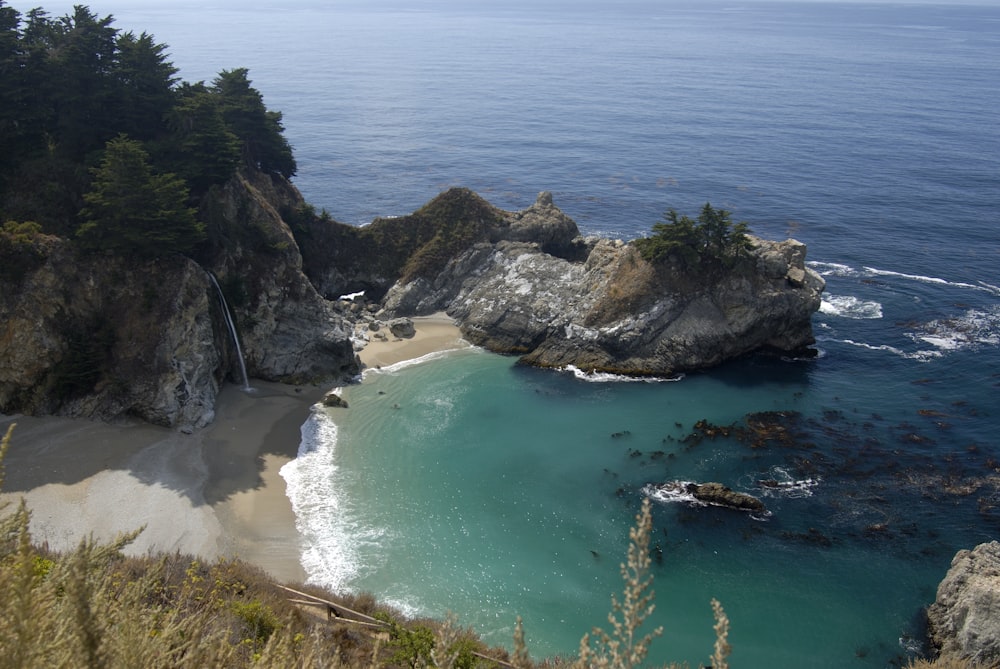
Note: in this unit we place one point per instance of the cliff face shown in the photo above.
(538, 290)
(103, 336)
(963, 621)
(289, 332)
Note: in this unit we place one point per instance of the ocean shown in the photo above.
(469, 484)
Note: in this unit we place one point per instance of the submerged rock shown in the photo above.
(963, 621)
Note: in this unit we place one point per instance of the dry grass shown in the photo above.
(93, 607)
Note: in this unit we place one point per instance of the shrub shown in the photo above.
(710, 239)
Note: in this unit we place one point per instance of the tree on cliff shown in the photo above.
(132, 209)
(69, 85)
(264, 147)
(711, 238)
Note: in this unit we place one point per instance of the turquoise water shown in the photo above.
(467, 483)
(866, 130)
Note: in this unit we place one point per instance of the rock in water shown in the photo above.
(964, 620)
(720, 495)
(332, 399)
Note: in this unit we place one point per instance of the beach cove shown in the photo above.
(215, 493)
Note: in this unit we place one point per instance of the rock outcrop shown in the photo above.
(290, 333)
(106, 336)
(533, 287)
(717, 494)
(964, 620)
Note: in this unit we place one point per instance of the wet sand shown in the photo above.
(214, 493)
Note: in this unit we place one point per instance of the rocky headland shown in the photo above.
(107, 336)
(963, 621)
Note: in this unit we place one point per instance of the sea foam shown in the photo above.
(848, 306)
(604, 377)
(330, 537)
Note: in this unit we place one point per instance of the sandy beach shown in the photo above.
(214, 493)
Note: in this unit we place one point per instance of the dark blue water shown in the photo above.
(867, 131)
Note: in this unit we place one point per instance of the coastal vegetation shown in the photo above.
(711, 238)
(103, 144)
(94, 607)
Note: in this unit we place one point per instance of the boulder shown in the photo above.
(964, 620)
(719, 495)
(332, 399)
(402, 328)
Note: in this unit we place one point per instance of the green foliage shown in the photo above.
(72, 84)
(411, 646)
(710, 239)
(23, 248)
(260, 131)
(260, 620)
(200, 146)
(132, 209)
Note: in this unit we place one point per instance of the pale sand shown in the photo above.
(434, 333)
(215, 493)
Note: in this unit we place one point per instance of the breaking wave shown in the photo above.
(331, 539)
(848, 306)
(842, 270)
(971, 330)
(603, 377)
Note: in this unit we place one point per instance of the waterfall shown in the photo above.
(232, 330)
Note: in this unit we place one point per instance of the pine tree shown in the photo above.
(132, 209)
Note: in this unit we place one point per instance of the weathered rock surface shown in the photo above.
(535, 288)
(104, 337)
(402, 328)
(964, 620)
(290, 333)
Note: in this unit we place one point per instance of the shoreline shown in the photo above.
(216, 493)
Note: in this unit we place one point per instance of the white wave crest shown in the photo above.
(832, 268)
(842, 270)
(671, 493)
(921, 356)
(848, 306)
(778, 482)
(413, 362)
(603, 377)
(330, 538)
(973, 329)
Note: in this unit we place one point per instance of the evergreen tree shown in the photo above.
(200, 147)
(131, 209)
(145, 81)
(81, 82)
(264, 146)
(711, 238)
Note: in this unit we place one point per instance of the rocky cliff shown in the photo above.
(964, 620)
(107, 336)
(528, 284)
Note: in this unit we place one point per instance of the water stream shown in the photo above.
(232, 330)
